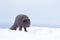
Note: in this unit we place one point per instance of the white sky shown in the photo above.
(40, 11)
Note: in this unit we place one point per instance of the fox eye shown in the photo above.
(24, 21)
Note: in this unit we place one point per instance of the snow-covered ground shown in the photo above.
(34, 33)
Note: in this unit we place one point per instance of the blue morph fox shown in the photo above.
(21, 21)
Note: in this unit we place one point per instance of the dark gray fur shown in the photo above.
(21, 21)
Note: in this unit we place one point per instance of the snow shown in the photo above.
(34, 33)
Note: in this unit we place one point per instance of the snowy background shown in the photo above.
(34, 33)
(43, 13)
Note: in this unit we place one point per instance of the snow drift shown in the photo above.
(34, 33)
